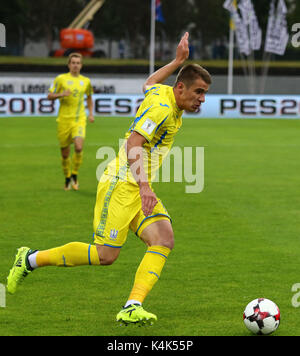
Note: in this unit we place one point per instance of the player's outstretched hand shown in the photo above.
(182, 51)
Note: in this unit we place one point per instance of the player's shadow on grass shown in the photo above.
(86, 193)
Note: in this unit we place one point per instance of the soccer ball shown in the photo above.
(262, 316)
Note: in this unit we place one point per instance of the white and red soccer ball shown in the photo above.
(262, 316)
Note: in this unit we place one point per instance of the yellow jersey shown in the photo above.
(158, 119)
(72, 107)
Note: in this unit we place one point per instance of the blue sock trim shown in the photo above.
(155, 274)
(158, 253)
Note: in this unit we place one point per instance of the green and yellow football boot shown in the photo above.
(135, 314)
(19, 270)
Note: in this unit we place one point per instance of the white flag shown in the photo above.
(249, 18)
(248, 32)
(255, 30)
(255, 33)
(277, 34)
(241, 33)
(246, 8)
(228, 5)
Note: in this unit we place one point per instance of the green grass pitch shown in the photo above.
(235, 241)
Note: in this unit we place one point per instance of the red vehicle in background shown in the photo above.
(75, 38)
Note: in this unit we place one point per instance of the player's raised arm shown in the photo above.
(182, 53)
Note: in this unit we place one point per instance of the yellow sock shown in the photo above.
(66, 164)
(149, 272)
(69, 255)
(76, 162)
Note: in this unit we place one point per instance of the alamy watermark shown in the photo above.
(2, 296)
(2, 35)
(296, 36)
(296, 297)
(177, 165)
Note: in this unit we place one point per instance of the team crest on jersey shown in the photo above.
(113, 234)
(81, 83)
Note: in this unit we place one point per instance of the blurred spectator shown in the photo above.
(192, 51)
(218, 50)
(121, 49)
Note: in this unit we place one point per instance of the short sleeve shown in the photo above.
(56, 85)
(149, 121)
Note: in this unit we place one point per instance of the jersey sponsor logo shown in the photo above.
(148, 126)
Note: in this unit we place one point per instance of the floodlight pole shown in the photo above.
(152, 38)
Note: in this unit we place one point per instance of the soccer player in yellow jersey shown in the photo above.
(70, 89)
(125, 198)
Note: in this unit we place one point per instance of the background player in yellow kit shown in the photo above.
(125, 199)
(70, 89)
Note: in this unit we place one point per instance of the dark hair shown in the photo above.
(190, 72)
